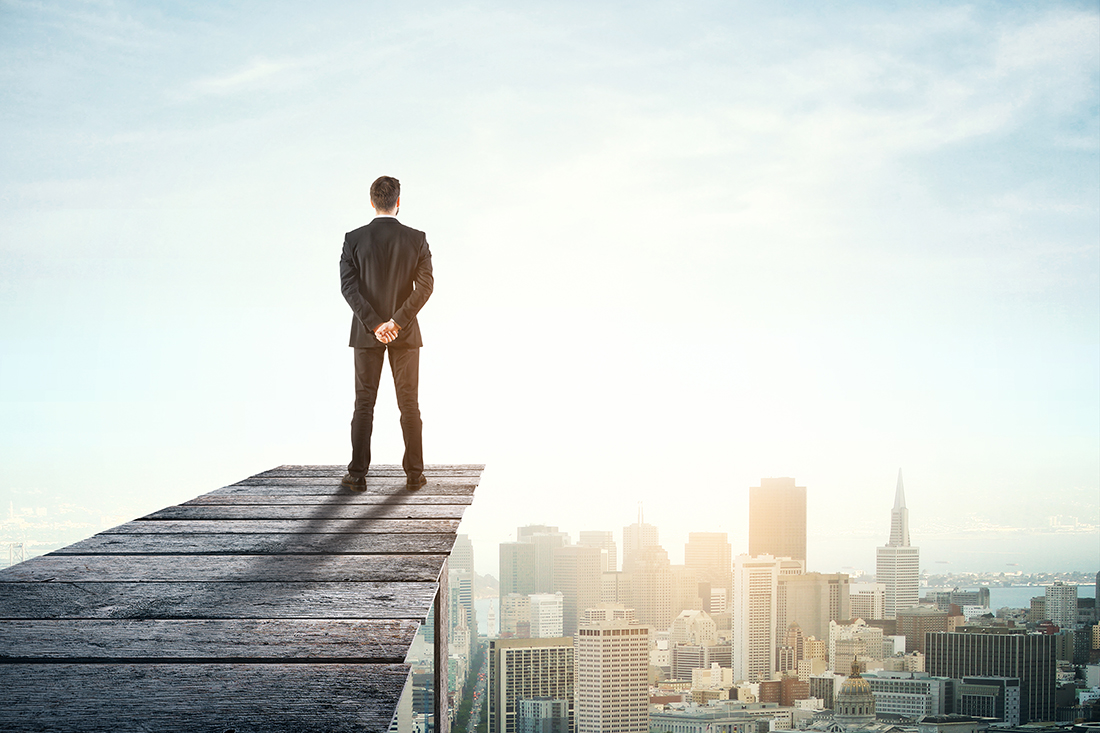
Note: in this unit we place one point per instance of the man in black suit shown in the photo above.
(386, 277)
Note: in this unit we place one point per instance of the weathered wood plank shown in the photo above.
(184, 698)
(238, 568)
(215, 600)
(365, 525)
(286, 567)
(316, 512)
(412, 498)
(186, 543)
(220, 639)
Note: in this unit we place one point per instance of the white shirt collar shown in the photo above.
(385, 216)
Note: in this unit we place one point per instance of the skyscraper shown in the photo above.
(755, 616)
(709, 554)
(812, 600)
(578, 578)
(999, 652)
(1061, 605)
(777, 519)
(462, 554)
(637, 537)
(546, 540)
(612, 677)
(609, 559)
(527, 566)
(897, 564)
(517, 568)
(524, 669)
(651, 586)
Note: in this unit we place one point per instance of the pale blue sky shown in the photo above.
(677, 249)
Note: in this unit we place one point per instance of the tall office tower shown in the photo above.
(755, 616)
(612, 677)
(777, 519)
(609, 558)
(545, 540)
(977, 651)
(523, 669)
(461, 586)
(867, 600)
(577, 577)
(898, 563)
(637, 537)
(709, 554)
(461, 567)
(543, 715)
(812, 600)
(686, 590)
(615, 588)
(651, 587)
(515, 615)
(915, 622)
(546, 615)
(462, 554)
(1061, 605)
(517, 568)
(853, 642)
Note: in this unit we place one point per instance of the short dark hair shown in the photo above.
(384, 193)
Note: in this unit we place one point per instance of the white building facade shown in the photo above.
(612, 677)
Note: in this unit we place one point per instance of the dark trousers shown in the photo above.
(405, 365)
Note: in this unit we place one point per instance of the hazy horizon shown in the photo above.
(677, 250)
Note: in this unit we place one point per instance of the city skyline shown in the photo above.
(861, 540)
(819, 243)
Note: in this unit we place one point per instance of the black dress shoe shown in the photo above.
(355, 483)
(415, 482)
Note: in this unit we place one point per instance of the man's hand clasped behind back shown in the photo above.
(387, 332)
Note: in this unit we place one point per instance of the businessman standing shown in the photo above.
(386, 277)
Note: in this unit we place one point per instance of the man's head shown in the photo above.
(385, 194)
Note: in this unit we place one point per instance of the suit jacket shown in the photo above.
(386, 272)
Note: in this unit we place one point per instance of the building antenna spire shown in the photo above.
(639, 513)
(899, 494)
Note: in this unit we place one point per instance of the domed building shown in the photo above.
(854, 706)
(854, 710)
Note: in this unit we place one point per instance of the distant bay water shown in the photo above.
(1017, 596)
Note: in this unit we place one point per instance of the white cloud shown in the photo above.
(259, 73)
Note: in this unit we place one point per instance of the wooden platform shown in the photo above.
(280, 603)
